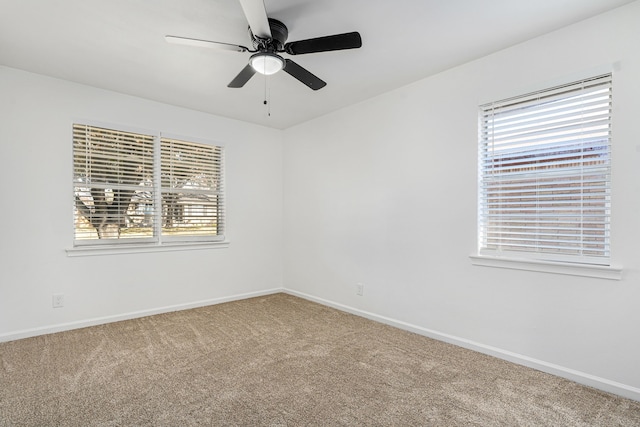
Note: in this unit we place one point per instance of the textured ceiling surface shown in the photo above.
(119, 45)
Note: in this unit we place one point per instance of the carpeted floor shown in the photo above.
(279, 361)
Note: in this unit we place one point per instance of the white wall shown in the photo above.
(384, 193)
(36, 114)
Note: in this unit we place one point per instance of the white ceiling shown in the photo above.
(119, 45)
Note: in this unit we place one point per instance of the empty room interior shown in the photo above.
(152, 168)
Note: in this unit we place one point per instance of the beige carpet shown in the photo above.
(279, 361)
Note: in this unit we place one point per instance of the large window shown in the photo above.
(544, 184)
(144, 188)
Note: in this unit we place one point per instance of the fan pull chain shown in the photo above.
(267, 96)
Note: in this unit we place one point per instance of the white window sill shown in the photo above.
(142, 248)
(585, 270)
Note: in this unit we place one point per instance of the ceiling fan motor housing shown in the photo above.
(279, 34)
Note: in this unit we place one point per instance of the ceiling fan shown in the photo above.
(269, 37)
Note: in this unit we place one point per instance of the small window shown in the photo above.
(142, 188)
(545, 172)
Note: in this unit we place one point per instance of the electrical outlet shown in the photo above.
(360, 289)
(58, 300)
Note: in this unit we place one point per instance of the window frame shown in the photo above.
(530, 260)
(157, 242)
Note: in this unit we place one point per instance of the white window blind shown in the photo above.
(192, 189)
(140, 188)
(544, 185)
(113, 184)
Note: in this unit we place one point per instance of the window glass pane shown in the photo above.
(113, 184)
(192, 189)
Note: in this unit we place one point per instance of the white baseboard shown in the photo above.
(61, 327)
(599, 383)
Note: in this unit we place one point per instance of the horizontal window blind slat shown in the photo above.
(535, 141)
(585, 143)
(543, 188)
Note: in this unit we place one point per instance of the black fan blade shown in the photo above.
(242, 77)
(205, 43)
(256, 15)
(325, 44)
(303, 75)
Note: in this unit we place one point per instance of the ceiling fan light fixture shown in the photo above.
(266, 63)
